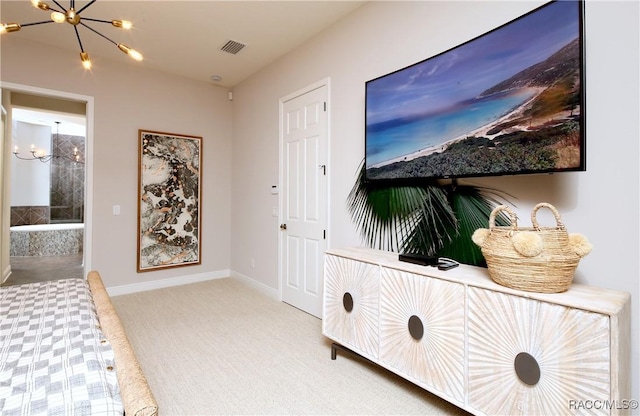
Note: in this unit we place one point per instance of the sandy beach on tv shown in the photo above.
(516, 114)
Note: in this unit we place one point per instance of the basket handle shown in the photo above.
(534, 220)
(512, 217)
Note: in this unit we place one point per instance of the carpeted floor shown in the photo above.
(42, 268)
(223, 347)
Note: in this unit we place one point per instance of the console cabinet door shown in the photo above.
(422, 331)
(528, 357)
(351, 296)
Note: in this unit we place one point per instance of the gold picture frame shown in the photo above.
(169, 200)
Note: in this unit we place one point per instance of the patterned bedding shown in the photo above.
(54, 358)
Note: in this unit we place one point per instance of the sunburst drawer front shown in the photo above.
(351, 297)
(535, 358)
(422, 330)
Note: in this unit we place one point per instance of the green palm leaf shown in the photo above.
(400, 218)
(472, 206)
(431, 219)
(434, 221)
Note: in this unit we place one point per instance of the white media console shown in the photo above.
(483, 347)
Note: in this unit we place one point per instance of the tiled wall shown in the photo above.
(29, 215)
(67, 187)
(67, 180)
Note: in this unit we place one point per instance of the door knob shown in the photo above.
(283, 226)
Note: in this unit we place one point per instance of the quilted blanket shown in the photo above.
(54, 358)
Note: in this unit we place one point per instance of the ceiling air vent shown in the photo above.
(232, 47)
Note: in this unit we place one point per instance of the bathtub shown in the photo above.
(46, 239)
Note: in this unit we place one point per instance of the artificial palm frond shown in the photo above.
(472, 206)
(433, 223)
(383, 214)
(432, 219)
(400, 218)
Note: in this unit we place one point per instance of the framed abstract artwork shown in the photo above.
(169, 192)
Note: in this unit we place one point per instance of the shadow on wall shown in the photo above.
(561, 190)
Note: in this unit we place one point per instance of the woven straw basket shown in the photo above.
(549, 271)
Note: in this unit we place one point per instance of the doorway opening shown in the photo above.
(48, 172)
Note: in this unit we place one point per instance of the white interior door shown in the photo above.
(304, 199)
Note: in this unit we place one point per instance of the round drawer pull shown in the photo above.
(415, 328)
(527, 368)
(347, 302)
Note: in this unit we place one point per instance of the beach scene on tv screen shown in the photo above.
(506, 102)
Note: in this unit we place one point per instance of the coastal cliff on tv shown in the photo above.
(508, 102)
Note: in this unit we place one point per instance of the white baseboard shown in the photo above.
(162, 283)
(267, 290)
(193, 278)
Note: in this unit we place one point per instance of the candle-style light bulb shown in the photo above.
(58, 17)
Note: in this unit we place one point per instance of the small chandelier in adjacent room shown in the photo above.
(43, 157)
(71, 16)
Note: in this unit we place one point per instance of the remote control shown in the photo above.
(446, 264)
(420, 259)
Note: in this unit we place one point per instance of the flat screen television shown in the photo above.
(510, 101)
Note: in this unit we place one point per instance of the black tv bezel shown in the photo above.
(582, 122)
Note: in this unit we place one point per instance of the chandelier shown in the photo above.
(43, 157)
(72, 17)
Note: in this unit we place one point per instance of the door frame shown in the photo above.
(5, 221)
(88, 188)
(325, 82)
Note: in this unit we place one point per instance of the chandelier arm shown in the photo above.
(59, 5)
(46, 158)
(42, 159)
(97, 20)
(78, 36)
(23, 158)
(36, 23)
(51, 9)
(98, 33)
(86, 6)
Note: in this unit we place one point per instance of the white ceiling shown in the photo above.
(71, 124)
(184, 37)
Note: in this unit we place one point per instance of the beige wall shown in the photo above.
(127, 98)
(381, 37)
